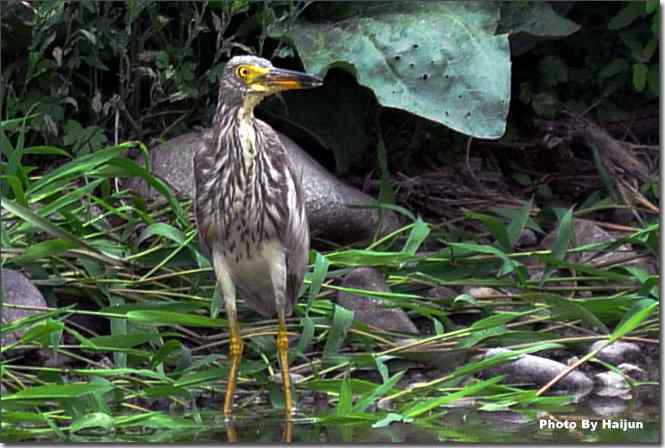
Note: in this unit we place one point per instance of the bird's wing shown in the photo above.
(295, 234)
(296, 238)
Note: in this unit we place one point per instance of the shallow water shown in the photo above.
(596, 420)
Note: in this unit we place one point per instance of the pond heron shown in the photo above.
(250, 207)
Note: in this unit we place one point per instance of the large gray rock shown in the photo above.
(17, 290)
(327, 198)
(538, 370)
(372, 311)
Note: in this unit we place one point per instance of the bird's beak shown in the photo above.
(278, 79)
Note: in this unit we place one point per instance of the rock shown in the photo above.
(372, 311)
(606, 406)
(617, 352)
(610, 384)
(17, 290)
(633, 371)
(538, 370)
(527, 238)
(441, 293)
(482, 292)
(327, 198)
(295, 378)
(587, 232)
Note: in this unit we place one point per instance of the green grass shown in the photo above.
(85, 241)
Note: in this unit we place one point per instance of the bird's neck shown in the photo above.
(234, 129)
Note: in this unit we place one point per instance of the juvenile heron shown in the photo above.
(250, 207)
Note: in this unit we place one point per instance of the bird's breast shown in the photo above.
(235, 202)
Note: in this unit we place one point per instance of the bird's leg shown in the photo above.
(235, 342)
(283, 353)
(278, 277)
(235, 354)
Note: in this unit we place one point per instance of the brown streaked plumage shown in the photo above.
(250, 208)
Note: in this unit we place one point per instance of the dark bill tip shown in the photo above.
(290, 79)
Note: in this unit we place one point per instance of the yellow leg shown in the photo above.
(235, 355)
(231, 433)
(235, 343)
(287, 437)
(283, 353)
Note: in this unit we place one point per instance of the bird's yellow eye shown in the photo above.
(242, 72)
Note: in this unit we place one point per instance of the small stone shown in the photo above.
(369, 310)
(610, 384)
(617, 352)
(295, 377)
(572, 360)
(17, 289)
(633, 371)
(482, 292)
(441, 292)
(539, 371)
(527, 238)
(587, 232)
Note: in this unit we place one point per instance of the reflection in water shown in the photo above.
(458, 425)
(232, 431)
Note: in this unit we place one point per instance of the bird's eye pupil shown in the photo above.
(243, 72)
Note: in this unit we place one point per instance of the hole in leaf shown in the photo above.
(412, 65)
(398, 57)
(425, 76)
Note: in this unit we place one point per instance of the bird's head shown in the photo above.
(251, 76)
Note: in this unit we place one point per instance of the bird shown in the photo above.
(250, 207)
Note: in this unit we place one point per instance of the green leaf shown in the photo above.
(93, 420)
(653, 80)
(344, 405)
(317, 278)
(162, 229)
(567, 309)
(391, 418)
(615, 67)
(640, 72)
(37, 221)
(429, 404)
(123, 340)
(627, 15)
(78, 166)
(154, 317)
(418, 234)
(56, 392)
(446, 55)
(518, 223)
(564, 236)
(366, 400)
(634, 317)
(342, 321)
(44, 249)
(507, 266)
(202, 377)
(535, 18)
(495, 226)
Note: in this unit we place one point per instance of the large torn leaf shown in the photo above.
(439, 60)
